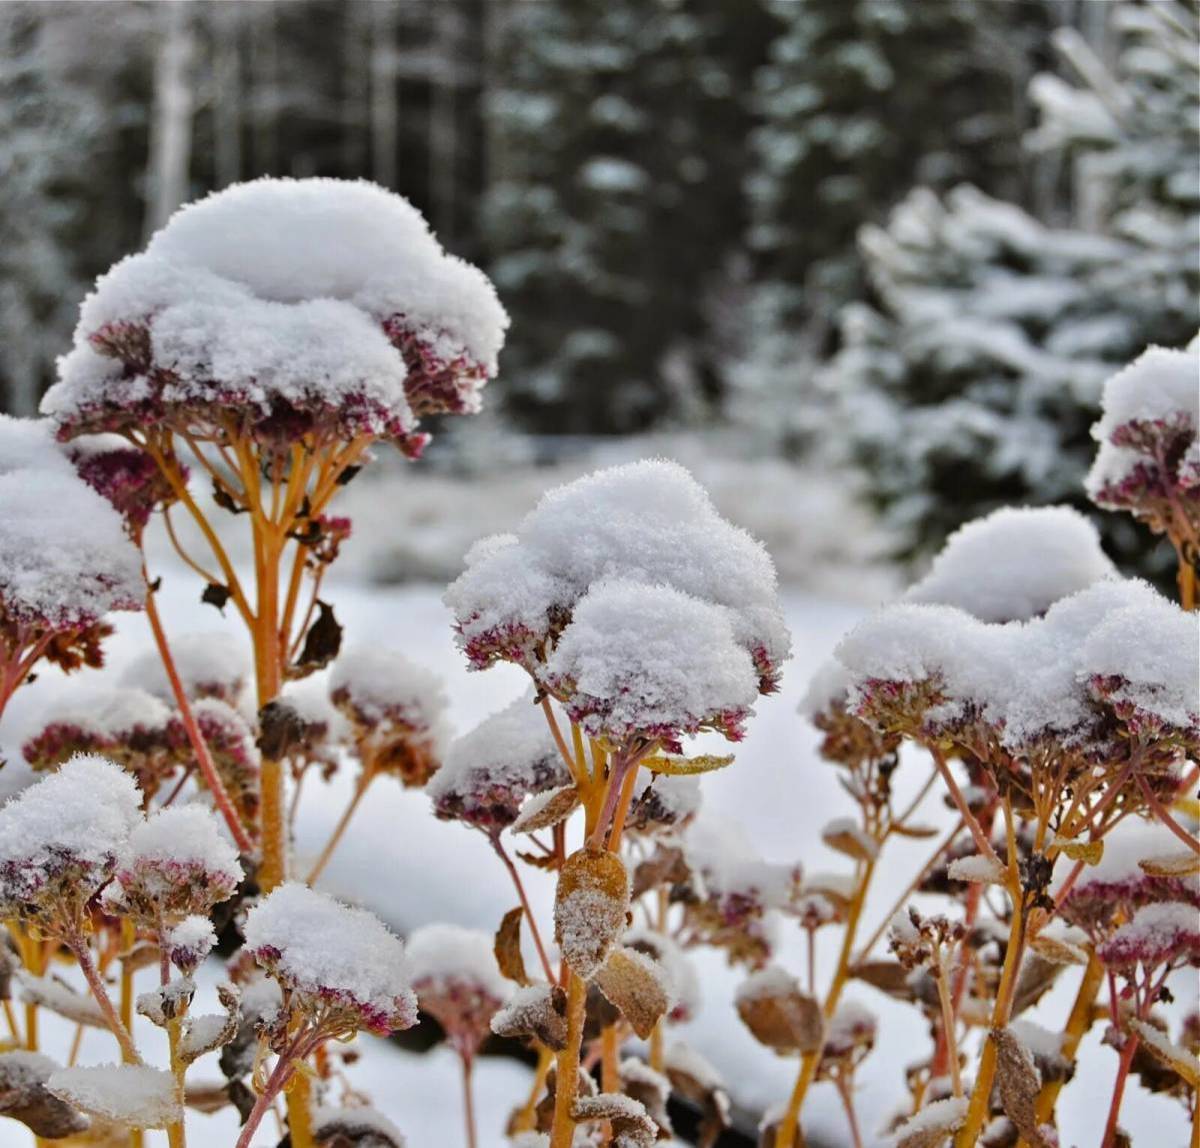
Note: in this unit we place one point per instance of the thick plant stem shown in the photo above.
(79, 947)
(567, 1072)
(204, 760)
(279, 1077)
(1187, 583)
(1078, 1024)
(977, 1110)
(789, 1125)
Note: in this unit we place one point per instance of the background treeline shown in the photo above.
(903, 237)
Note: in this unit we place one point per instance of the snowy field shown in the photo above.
(413, 869)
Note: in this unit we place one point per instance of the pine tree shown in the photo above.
(618, 148)
(972, 376)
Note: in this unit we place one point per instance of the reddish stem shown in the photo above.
(203, 758)
(1114, 1109)
(494, 838)
(78, 945)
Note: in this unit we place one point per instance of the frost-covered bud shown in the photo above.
(664, 805)
(457, 982)
(209, 665)
(397, 711)
(60, 840)
(489, 772)
(850, 1034)
(189, 942)
(341, 968)
(128, 726)
(921, 942)
(231, 745)
(1148, 459)
(226, 311)
(126, 477)
(175, 864)
(1165, 933)
(847, 739)
(650, 664)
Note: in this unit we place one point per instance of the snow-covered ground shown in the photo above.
(413, 869)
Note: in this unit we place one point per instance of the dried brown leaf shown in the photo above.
(1019, 1083)
(637, 985)
(591, 909)
(787, 1021)
(547, 809)
(889, 977)
(23, 1097)
(508, 947)
(1183, 864)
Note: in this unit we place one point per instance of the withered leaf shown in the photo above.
(784, 1019)
(1089, 852)
(205, 1033)
(1183, 864)
(932, 1124)
(636, 984)
(591, 908)
(508, 947)
(846, 840)
(547, 809)
(665, 866)
(1036, 979)
(279, 728)
(1057, 950)
(678, 766)
(322, 642)
(224, 499)
(538, 1011)
(904, 829)
(631, 1124)
(889, 977)
(1019, 1083)
(216, 595)
(1183, 1063)
(23, 1097)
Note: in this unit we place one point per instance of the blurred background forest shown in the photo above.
(863, 263)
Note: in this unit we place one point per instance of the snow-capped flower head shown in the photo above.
(649, 522)
(60, 840)
(1144, 662)
(65, 561)
(849, 1036)
(339, 966)
(209, 665)
(1166, 933)
(454, 974)
(175, 864)
(396, 709)
(1013, 564)
(734, 891)
(189, 942)
(232, 748)
(1125, 878)
(294, 306)
(643, 663)
(359, 1126)
(127, 478)
(846, 738)
(488, 772)
(128, 726)
(1149, 457)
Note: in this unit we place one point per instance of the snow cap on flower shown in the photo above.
(28, 445)
(126, 724)
(209, 665)
(1162, 933)
(189, 942)
(339, 963)
(457, 981)
(359, 1127)
(304, 302)
(1014, 563)
(234, 753)
(649, 522)
(64, 558)
(488, 772)
(60, 839)
(397, 709)
(1148, 437)
(176, 863)
(651, 663)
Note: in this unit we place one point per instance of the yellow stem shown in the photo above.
(318, 868)
(526, 1119)
(786, 1136)
(567, 1073)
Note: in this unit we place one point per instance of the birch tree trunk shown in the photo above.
(171, 126)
